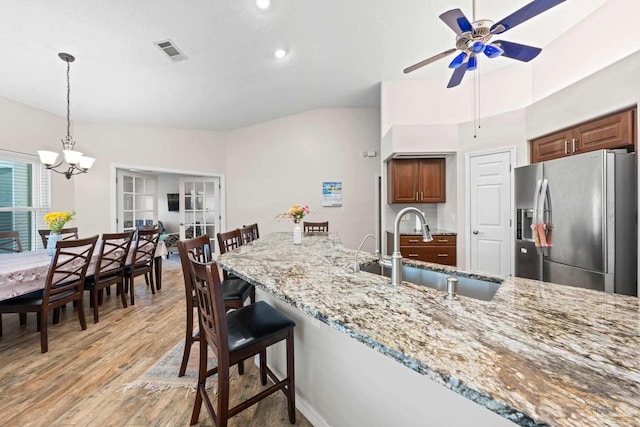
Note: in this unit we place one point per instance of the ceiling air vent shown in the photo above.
(171, 50)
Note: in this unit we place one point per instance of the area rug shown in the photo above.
(163, 375)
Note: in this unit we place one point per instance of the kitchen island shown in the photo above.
(371, 354)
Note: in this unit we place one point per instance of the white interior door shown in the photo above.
(137, 200)
(490, 213)
(200, 207)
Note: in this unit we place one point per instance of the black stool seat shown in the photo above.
(236, 289)
(254, 324)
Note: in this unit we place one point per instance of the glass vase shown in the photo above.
(52, 241)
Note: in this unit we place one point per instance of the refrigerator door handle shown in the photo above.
(536, 197)
(543, 200)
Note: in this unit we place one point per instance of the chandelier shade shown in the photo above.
(76, 162)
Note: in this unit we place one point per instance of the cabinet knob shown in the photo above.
(475, 232)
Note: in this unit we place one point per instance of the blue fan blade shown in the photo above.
(457, 76)
(534, 8)
(456, 20)
(517, 51)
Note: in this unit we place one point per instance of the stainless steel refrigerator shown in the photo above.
(588, 204)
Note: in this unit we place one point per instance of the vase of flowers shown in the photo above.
(295, 214)
(56, 222)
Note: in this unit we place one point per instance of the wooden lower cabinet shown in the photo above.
(442, 250)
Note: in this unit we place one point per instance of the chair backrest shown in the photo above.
(315, 227)
(254, 227)
(247, 235)
(211, 311)
(68, 268)
(199, 248)
(229, 240)
(113, 253)
(10, 242)
(67, 234)
(145, 248)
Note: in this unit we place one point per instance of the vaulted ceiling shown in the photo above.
(338, 53)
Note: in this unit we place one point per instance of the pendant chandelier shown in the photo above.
(76, 162)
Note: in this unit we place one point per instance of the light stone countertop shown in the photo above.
(537, 353)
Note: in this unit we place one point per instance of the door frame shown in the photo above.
(467, 201)
(154, 169)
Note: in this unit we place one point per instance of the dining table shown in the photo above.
(25, 272)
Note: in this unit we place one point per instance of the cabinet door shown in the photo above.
(613, 131)
(403, 184)
(551, 146)
(431, 181)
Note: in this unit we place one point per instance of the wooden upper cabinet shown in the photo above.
(551, 146)
(403, 185)
(416, 181)
(614, 131)
(608, 132)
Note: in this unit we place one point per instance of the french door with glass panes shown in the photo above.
(199, 207)
(137, 200)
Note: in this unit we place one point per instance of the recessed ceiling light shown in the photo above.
(263, 4)
(280, 53)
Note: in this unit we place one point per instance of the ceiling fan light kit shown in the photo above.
(474, 37)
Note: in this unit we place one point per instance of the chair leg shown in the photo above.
(123, 297)
(56, 315)
(291, 386)
(23, 318)
(263, 367)
(44, 343)
(152, 284)
(131, 279)
(202, 378)
(95, 296)
(188, 342)
(81, 318)
(252, 295)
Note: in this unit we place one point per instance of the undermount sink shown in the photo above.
(467, 286)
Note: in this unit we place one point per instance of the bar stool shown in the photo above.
(236, 336)
(235, 291)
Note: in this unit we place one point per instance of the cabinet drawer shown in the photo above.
(438, 240)
(441, 255)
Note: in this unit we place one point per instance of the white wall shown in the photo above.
(271, 166)
(25, 129)
(146, 148)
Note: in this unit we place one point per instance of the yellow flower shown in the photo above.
(56, 220)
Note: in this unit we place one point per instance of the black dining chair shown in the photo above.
(10, 242)
(64, 283)
(142, 260)
(109, 269)
(67, 234)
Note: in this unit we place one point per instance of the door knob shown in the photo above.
(475, 232)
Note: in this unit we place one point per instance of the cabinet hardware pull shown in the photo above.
(421, 196)
(416, 196)
(565, 147)
(573, 144)
(414, 241)
(413, 255)
(443, 255)
(443, 240)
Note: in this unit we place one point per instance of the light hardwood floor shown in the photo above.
(79, 381)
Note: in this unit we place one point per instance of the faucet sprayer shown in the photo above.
(356, 267)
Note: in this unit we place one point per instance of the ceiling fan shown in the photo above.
(473, 38)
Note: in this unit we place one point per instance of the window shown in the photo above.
(25, 188)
